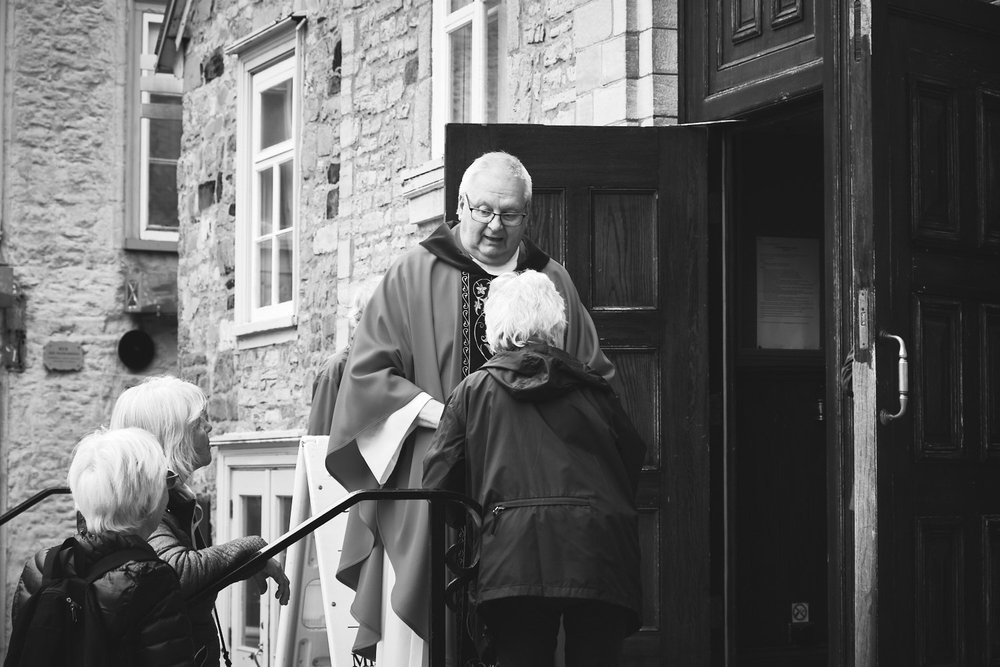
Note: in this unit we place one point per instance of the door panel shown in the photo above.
(939, 289)
(626, 211)
(745, 54)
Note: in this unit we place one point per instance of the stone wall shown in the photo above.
(366, 124)
(62, 232)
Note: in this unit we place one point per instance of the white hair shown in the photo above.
(169, 408)
(500, 161)
(117, 478)
(524, 308)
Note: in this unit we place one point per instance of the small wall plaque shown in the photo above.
(62, 355)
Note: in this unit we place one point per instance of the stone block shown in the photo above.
(664, 13)
(593, 22)
(645, 57)
(665, 101)
(619, 10)
(644, 99)
(585, 109)
(640, 15)
(664, 43)
(589, 67)
(614, 61)
(325, 240)
(610, 104)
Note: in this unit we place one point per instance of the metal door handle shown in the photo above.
(885, 416)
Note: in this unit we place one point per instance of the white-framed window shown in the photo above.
(154, 138)
(468, 70)
(267, 182)
(255, 481)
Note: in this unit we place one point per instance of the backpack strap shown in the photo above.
(117, 559)
(53, 569)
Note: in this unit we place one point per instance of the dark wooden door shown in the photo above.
(742, 55)
(626, 210)
(936, 122)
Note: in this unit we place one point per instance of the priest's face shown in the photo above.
(497, 190)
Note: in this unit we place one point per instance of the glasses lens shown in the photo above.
(511, 219)
(171, 479)
(481, 215)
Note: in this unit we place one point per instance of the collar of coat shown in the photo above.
(444, 244)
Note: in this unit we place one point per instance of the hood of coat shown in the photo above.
(540, 372)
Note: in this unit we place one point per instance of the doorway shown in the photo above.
(775, 471)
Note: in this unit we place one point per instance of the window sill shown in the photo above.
(150, 246)
(265, 332)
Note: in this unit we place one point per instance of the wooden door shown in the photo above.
(936, 125)
(741, 55)
(627, 211)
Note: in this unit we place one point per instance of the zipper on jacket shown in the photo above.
(505, 505)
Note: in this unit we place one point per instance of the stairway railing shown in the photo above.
(439, 591)
(31, 502)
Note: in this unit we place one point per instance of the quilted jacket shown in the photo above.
(183, 548)
(140, 601)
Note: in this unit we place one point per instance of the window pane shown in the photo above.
(286, 194)
(265, 182)
(251, 599)
(458, 4)
(152, 33)
(162, 204)
(164, 138)
(276, 114)
(264, 256)
(461, 74)
(492, 56)
(284, 268)
(165, 98)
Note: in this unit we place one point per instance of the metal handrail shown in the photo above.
(31, 502)
(437, 498)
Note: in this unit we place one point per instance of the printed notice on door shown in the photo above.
(788, 293)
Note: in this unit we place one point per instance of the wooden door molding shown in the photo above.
(740, 55)
(851, 375)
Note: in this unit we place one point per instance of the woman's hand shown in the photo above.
(273, 570)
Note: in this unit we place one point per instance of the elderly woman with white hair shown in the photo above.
(175, 412)
(541, 441)
(118, 481)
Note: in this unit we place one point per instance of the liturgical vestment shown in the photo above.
(421, 333)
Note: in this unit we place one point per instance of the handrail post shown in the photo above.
(437, 610)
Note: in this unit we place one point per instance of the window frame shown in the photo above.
(141, 59)
(446, 22)
(269, 56)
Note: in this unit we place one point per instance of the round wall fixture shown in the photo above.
(136, 349)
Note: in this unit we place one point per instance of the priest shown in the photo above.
(422, 332)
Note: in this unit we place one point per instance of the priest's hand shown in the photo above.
(430, 414)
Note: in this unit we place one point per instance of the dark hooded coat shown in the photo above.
(542, 442)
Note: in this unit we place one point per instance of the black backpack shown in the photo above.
(61, 624)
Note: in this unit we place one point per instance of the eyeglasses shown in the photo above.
(484, 216)
(171, 479)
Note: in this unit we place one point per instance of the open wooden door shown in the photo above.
(936, 130)
(629, 211)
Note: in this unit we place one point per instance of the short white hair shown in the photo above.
(169, 408)
(117, 478)
(524, 308)
(501, 161)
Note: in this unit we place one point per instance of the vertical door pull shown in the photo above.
(885, 416)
